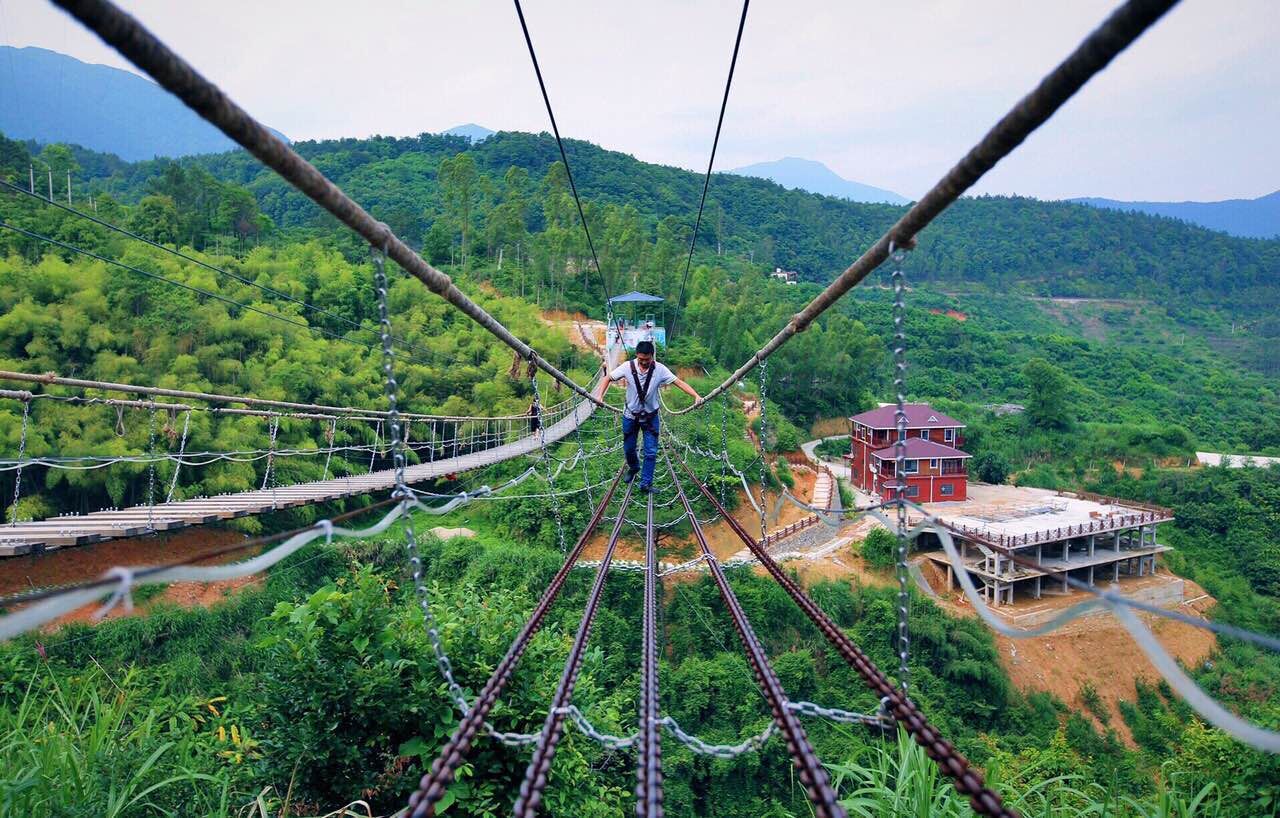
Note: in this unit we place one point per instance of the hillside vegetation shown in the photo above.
(316, 686)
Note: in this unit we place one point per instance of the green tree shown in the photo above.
(991, 467)
(15, 159)
(156, 217)
(458, 179)
(1047, 402)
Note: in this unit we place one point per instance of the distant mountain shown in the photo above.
(50, 97)
(472, 131)
(1252, 218)
(816, 177)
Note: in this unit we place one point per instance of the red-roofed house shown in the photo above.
(935, 468)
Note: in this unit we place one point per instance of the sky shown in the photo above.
(887, 94)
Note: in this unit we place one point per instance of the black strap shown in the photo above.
(643, 391)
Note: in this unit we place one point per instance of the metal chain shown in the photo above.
(546, 460)
(586, 476)
(182, 448)
(331, 438)
(764, 447)
(402, 490)
(900, 457)
(151, 469)
(271, 459)
(843, 716)
(22, 452)
(403, 493)
(724, 446)
(718, 750)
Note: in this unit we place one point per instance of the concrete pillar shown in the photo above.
(1090, 574)
(1153, 564)
(1038, 550)
(950, 578)
(1064, 582)
(1091, 544)
(1115, 571)
(1116, 541)
(1037, 591)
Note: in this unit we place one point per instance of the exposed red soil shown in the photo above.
(86, 562)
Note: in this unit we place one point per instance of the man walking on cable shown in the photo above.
(644, 377)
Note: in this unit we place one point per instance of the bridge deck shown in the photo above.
(57, 532)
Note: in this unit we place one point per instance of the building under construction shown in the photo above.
(1084, 536)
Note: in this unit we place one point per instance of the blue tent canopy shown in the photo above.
(635, 297)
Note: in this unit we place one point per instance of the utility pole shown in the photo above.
(68, 188)
(32, 171)
(51, 185)
(500, 249)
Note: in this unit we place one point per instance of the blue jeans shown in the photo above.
(630, 429)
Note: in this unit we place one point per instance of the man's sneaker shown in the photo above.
(646, 488)
(630, 475)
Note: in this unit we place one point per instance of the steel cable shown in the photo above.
(1097, 50)
(706, 182)
(813, 776)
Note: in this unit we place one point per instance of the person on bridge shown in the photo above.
(644, 377)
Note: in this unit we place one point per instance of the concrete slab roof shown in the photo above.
(1014, 511)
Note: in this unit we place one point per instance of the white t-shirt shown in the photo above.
(661, 377)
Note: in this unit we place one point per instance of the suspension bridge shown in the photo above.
(498, 439)
(153, 57)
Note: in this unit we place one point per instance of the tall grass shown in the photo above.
(89, 745)
(898, 780)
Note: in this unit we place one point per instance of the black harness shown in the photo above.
(641, 416)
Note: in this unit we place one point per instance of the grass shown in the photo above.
(898, 780)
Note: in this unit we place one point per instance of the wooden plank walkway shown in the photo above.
(58, 532)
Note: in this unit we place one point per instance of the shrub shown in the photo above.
(991, 467)
(880, 548)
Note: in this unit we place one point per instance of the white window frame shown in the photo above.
(910, 466)
(933, 463)
(949, 435)
(946, 489)
(913, 490)
(924, 433)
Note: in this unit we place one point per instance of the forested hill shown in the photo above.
(1004, 243)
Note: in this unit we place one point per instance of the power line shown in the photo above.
(192, 288)
(706, 182)
(564, 157)
(206, 265)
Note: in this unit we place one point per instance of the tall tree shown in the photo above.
(458, 179)
(1047, 402)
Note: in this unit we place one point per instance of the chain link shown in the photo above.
(177, 466)
(330, 437)
(900, 457)
(718, 750)
(151, 469)
(271, 459)
(764, 447)
(405, 496)
(22, 452)
(546, 460)
(724, 445)
(836, 714)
